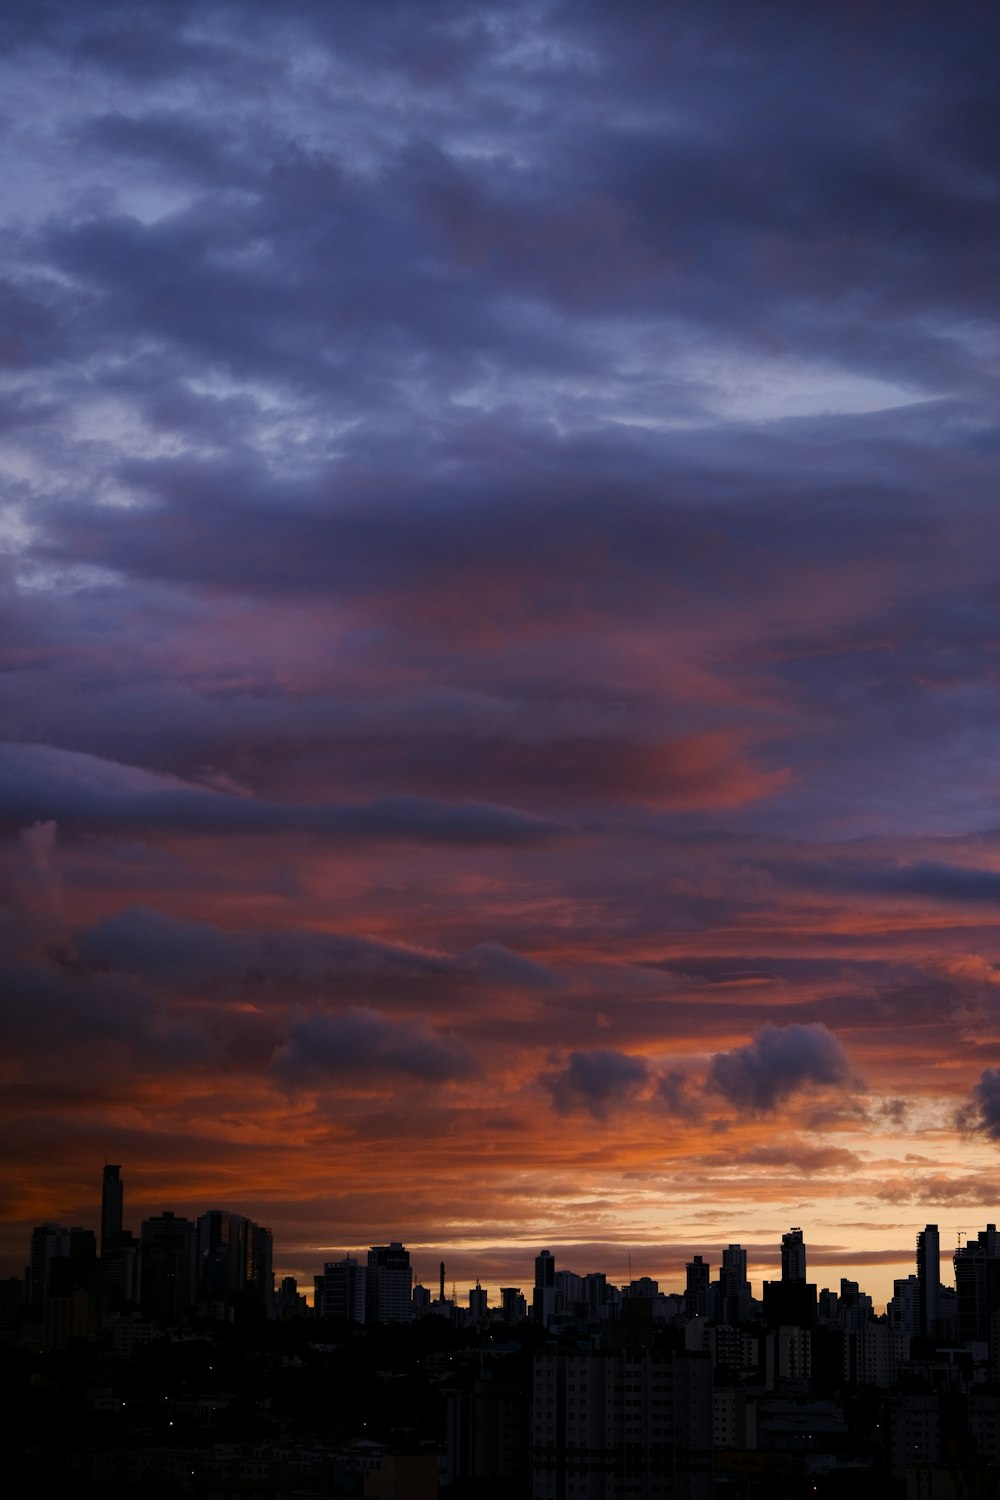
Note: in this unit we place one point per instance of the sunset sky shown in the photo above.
(500, 567)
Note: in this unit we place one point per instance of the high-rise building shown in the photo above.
(734, 1288)
(260, 1272)
(696, 1287)
(977, 1283)
(793, 1256)
(513, 1307)
(904, 1306)
(49, 1242)
(543, 1297)
(112, 1204)
(340, 1291)
(545, 1268)
(622, 1423)
(928, 1280)
(388, 1284)
(790, 1302)
(168, 1267)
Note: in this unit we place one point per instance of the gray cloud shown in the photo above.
(778, 1062)
(597, 1081)
(81, 791)
(164, 950)
(984, 1110)
(324, 1049)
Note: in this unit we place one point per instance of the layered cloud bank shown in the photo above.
(498, 623)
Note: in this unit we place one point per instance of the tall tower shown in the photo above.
(696, 1287)
(734, 1289)
(543, 1298)
(112, 1201)
(793, 1256)
(928, 1280)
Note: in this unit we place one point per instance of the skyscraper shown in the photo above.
(791, 1302)
(168, 1266)
(340, 1291)
(49, 1242)
(734, 1289)
(793, 1256)
(928, 1280)
(388, 1284)
(696, 1287)
(112, 1202)
(977, 1285)
(543, 1298)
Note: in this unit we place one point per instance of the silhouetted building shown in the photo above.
(340, 1291)
(696, 1287)
(289, 1301)
(48, 1242)
(790, 1304)
(234, 1278)
(627, 1423)
(112, 1206)
(977, 1284)
(595, 1293)
(13, 1296)
(487, 1437)
(120, 1273)
(76, 1270)
(734, 1301)
(513, 1306)
(793, 1256)
(904, 1306)
(543, 1299)
(168, 1265)
(388, 1284)
(70, 1283)
(928, 1281)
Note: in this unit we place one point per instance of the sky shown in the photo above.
(499, 627)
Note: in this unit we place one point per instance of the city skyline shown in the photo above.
(498, 624)
(784, 1261)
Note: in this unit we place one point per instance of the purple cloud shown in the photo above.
(323, 1049)
(984, 1112)
(779, 1062)
(597, 1081)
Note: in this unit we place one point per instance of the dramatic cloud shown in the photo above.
(778, 1062)
(83, 792)
(597, 1081)
(323, 1049)
(498, 608)
(984, 1114)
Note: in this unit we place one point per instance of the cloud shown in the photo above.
(63, 1024)
(983, 1111)
(472, 532)
(278, 964)
(673, 1091)
(780, 1061)
(325, 1050)
(84, 791)
(597, 1082)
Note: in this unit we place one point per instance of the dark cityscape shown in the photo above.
(169, 1363)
